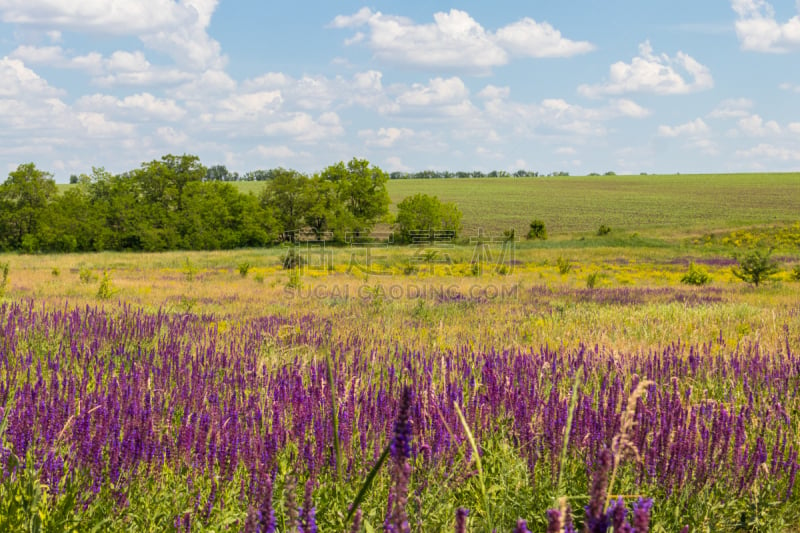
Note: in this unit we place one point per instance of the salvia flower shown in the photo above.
(522, 527)
(401, 471)
(641, 514)
(596, 518)
(554, 524)
(461, 520)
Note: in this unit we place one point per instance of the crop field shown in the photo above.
(573, 384)
(667, 204)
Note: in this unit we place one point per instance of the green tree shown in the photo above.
(361, 187)
(218, 216)
(756, 267)
(116, 201)
(286, 195)
(422, 212)
(324, 211)
(24, 199)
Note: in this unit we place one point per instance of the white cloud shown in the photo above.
(20, 80)
(533, 39)
(492, 92)
(794, 127)
(176, 28)
(456, 40)
(790, 87)
(693, 128)
(395, 164)
(732, 108)
(281, 151)
(302, 127)
(439, 97)
(755, 126)
(385, 137)
(759, 31)
(770, 151)
(659, 74)
(629, 108)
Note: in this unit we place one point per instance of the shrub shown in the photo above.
(86, 275)
(424, 213)
(243, 268)
(756, 267)
(55, 272)
(696, 276)
(189, 270)
(292, 259)
(795, 275)
(4, 281)
(591, 280)
(564, 266)
(603, 230)
(537, 230)
(105, 290)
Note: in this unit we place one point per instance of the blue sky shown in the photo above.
(580, 86)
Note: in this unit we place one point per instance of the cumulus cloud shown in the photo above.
(651, 73)
(139, 107)
(440, 96)
(755, 126)
(693, 128)
(770, 151)
(385, 137)
(732, 108)
(302, 127)
(759, 31)
(177, 29)
(456, 40)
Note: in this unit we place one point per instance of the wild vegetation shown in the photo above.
(578, 382)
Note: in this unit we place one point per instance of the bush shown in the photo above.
(424, 213)
(243, 268)
(591, 280)
(292, 259)
(564, 266)
(4, 281)
(795, 275)
(756, 267)
(603, 230)
(105, 290)
(537, 230)
(86, 275)
(696, 276)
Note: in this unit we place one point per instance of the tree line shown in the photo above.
(171, 203)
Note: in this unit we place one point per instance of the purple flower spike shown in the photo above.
(641, 515)
(596, 518)
(461, 520)
(617, 513)
(401, 472)
(401, 444)
(554, 521)
(522, 527)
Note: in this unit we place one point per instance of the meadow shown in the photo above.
(467, 386)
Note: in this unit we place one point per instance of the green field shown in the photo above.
(658, 205)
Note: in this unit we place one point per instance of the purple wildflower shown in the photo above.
(553, 521)
(641, 514)
(356, 522)
(596, 518)
(522, 527)
(401, 472)
(461, 520)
